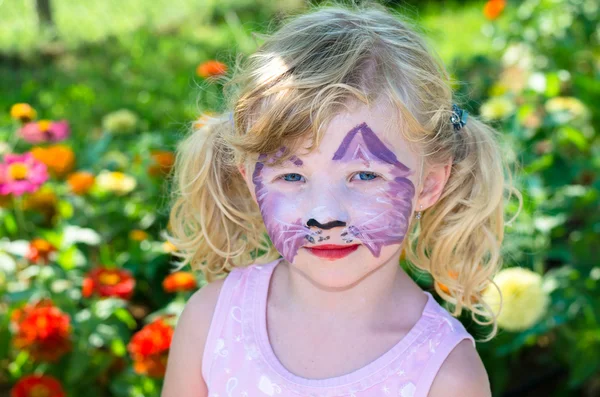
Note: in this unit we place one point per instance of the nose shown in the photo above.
(327, 210)
(326, 226)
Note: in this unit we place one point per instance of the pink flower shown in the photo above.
(21, 173)
(45, 131)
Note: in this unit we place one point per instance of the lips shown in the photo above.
(331, 251)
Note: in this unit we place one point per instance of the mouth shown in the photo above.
(331, 251)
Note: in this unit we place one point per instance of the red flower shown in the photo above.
(149, 348)
(107, 282)
(211, 68)
(179, 281)
(37, 386)
(42, 330)
(40, 250)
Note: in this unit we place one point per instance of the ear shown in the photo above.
(433, 185)
(249, 183)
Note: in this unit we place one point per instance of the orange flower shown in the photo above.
(40, 250)
(493, 9)
(22, 112)
(81, 182)
(179, 281)
(138, 235)
(163, 161)
(149, 348)
(453, 275)
(202, 119)
(107, 282)
(211, 69)
(59, 159)
(37, 386)
(42, 330)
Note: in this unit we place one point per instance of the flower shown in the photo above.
(45, 131)
(179, 281)
(493, 9)
(201, 121)
(108, 282)
(163, 161)
(138, 235)
(116, 182)
(149, 348)
(497, 108)
(44, 201)
(169, 247)
(122, 121)
(524, 302)
(21, 173)
(211, 68)
(453, 275)
(40, 250)
(42, 330)
(566, 109)
(81, 182)
(22, 112)
(37, 386)
(74, 234)
(59, 159)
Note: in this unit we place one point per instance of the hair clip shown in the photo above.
(458, 118)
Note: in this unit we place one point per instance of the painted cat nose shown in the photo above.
(324, 226)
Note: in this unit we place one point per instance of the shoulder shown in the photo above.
(462, 374)
(191, 332)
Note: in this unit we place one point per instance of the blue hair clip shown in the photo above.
(458, 118)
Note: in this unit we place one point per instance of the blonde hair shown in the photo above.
(288, 90)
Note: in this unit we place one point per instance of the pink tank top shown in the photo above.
(238, 359)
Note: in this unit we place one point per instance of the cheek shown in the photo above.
(389, 206)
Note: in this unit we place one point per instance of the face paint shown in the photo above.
(372, 212)
(384, 220)
(287, 236)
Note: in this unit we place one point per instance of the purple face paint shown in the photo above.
(386, 216)
(375, 212)
(287, 235)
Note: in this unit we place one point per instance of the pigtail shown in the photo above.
(458, 240)
(214, 223)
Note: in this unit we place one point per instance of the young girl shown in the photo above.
(342, 150)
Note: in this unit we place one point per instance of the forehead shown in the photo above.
(374, 130)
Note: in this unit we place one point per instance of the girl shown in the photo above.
(344, 146)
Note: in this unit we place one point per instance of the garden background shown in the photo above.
(94, 97)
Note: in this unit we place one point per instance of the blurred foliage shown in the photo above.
(123, 75)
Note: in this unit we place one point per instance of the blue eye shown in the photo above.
(369, 175)
(295, 177)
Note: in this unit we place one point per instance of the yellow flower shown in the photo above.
(138, 235)
(116, 182)
(22, 112)
(497, 108)
(566, 108)
(524, 302)
(169, 247)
